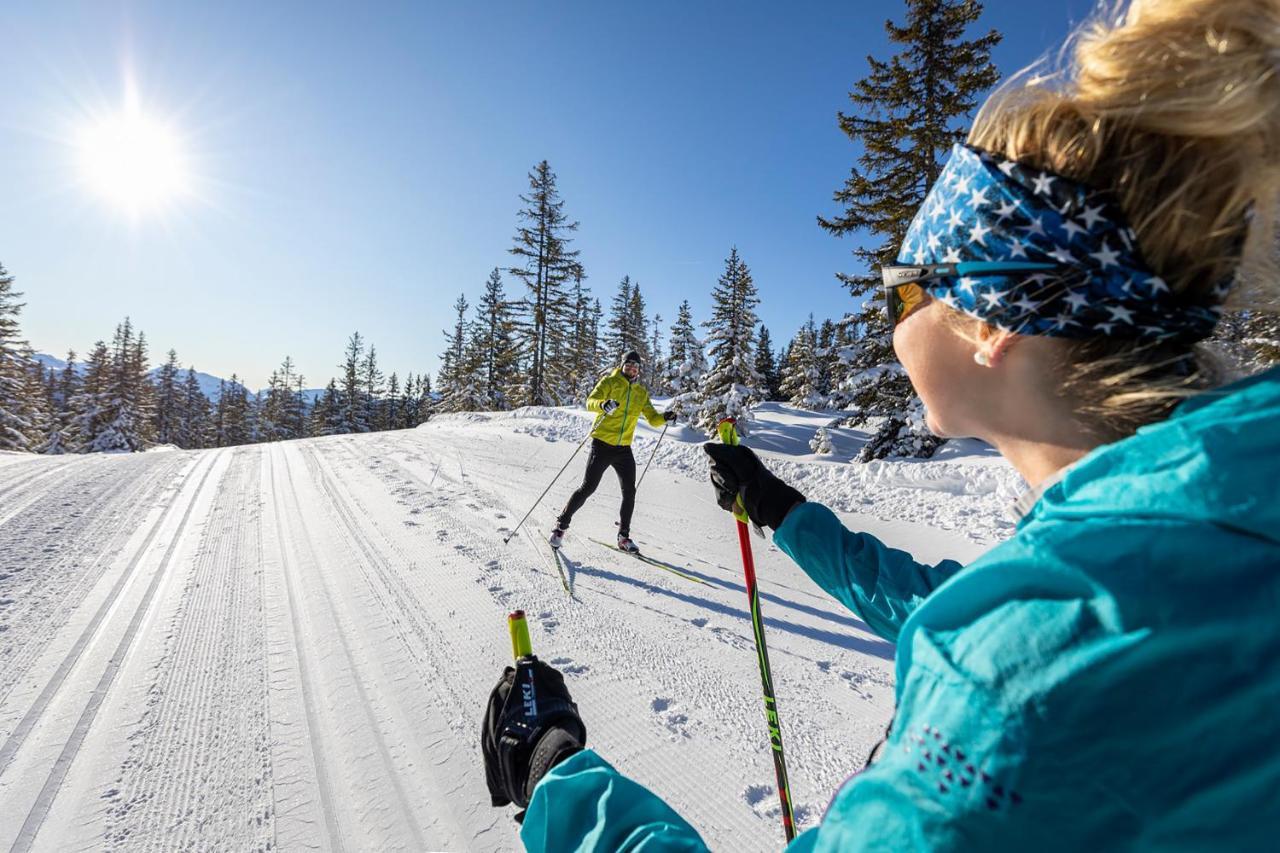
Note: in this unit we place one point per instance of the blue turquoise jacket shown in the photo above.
(1108, 678)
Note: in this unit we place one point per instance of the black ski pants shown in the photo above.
(605, 455)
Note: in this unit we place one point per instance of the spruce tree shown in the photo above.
(908, 112)
(586, 341)
(66, 388)
(801, 374)
(168, 417)
(546, 264)
(196, 414)
(767, 366)
(686, 362)
(125, 406)
(493, 328)
(654, 364)
(372, 388)
(326, 415)
(234, 425)
(454, 370)
(352, 398)
(14, 426)
(732, 384)
(88, 407)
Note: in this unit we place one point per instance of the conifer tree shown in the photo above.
(731, 386)
(14, 426)
(196, 414)
(686, 362)
(37, 399)
(628, 324)
(801, 374)
(494, 344)
(586, 343)
(908, 112)
(126, 407)
(546, 264)
(234, 426)
(168, 418)
(65, 390)
(352, 397)
(454, 369)
(654, 365)
(88, 407)
(372, 388)
(767, 366)
(327, 414)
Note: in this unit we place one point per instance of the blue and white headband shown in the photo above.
(984, 208)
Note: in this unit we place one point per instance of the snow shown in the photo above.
(289, 645)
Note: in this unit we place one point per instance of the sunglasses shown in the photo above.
(903, 293)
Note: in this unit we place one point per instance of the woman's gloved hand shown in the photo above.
(737, 472)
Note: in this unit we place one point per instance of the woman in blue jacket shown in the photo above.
(1110, 676)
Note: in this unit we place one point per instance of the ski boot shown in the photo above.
(557, 538)
(625, 544)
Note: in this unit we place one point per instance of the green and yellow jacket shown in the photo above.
(619, 427)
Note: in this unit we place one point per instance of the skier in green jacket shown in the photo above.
(619, 399)
(1108, 678)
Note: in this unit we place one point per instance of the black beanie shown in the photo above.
(630, 357)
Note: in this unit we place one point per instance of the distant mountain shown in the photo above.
(209, 385)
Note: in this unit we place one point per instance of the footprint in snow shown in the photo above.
(568, 667)
(699, 622)
(670, 716)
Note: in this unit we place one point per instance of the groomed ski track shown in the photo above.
(288, 646)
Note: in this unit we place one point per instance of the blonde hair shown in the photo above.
(1173, 106)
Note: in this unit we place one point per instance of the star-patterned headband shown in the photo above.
(986, 208)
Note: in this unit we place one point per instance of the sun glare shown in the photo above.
(133, 161)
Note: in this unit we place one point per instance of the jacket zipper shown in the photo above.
(623, 426)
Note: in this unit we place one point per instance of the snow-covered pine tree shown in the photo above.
(37, 396)
(326, 414)
(826, 353)
(493, 328)
(88, 407)
(65, 387)
(686, 363)
(732, 384)
(801, 375)
(168, 412)
(767, 366)
(546, 264)
(373, 386)
(126, 405)
(627, 322)
(655, 374)
(907, 114)
(586, 345)
(352, 397)
(234, 426)
(455, 373)
(14, 428)
(196, 414)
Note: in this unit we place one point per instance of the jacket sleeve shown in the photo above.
(596, 400)
(583, 803)
(652, 415)
(880, 584)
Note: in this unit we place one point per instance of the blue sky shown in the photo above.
(358, 166)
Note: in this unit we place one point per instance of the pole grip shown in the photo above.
(729, 435)
(521, 645)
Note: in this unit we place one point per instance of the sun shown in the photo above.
(133, 161)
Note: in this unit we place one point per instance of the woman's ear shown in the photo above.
(993, 344)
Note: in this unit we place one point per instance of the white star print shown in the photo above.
(1043, 183)
(966, 284)
(1017, 248)
(1119, 312)
(1007, 167)
(956, 220)
(1072, 228)
(1106, 257)
(934, 242)
(920, 257)
(978, 233)
(1007, 209)
(1062, 256)
(1025, 304)
(1092, 216)
(948, 300)
(1061, 321)
(1157, 285)
(962, 185)
(1077, 300)
(978, 198)
(1105, 327)
(993, 298)
(952, 256)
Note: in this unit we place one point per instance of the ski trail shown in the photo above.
(59, 579)
(44, 800)
(196, 770)
(320, 765)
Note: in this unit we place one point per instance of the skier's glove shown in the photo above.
(608, 406)
(736, 472)
(530, 725)
(669, 416)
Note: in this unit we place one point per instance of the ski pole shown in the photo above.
(729, 435)
(521, 645)
(507, 538)
(651, 455)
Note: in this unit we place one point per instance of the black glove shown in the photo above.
(530, 725)
(735, 471)
(608, 406)
(669, 416)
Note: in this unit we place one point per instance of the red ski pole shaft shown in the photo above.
(729, 435)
